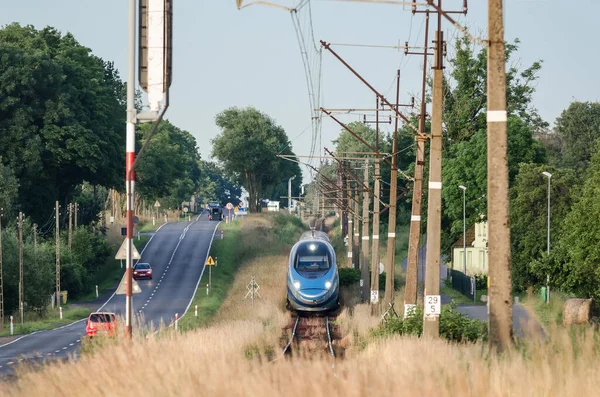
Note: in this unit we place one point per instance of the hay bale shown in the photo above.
(577, 311)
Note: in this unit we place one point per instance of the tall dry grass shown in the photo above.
(211, 362)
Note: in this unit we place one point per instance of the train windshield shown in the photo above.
(313, 257)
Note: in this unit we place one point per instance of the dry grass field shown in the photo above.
(226, 358)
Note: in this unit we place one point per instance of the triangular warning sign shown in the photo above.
(135, 287)
(122, 253)
(210, 261)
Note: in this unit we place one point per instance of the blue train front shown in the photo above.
(313, 282)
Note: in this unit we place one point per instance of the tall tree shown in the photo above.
(248, 146)
(528, 218)
(578, 127)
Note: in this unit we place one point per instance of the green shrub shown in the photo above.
(454, 326)
(348, 276)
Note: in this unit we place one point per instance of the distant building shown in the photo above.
(477, 250)
(273, 206)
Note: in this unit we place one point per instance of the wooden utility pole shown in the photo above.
(412, 276)
(21, 294)
(391, 242)
(76, 208)
(1, 279)
(57, 236)
(375, 254)
(364, 266)
(500, 330)
(356, 254)
(70, 206)
(35, 235)
(431, 314)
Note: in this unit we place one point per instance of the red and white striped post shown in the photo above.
(129, 159)
(96, 291)
(206, 289)
(176, 319)
(60, 312)
(12, 327)
(196, 311)
(216, 261)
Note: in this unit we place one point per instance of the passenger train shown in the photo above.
(312, 280)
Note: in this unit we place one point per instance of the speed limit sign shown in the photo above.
(433, 305)
(229, 206)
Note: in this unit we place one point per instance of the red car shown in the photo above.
(101, 323)
(142, 270)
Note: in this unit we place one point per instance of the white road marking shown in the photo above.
(10, 363)
(56, 351)
(49, 354)
(77, 340)
(64, 348)
(71, 344)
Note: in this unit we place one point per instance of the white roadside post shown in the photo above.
(196, 311)
(96, 291)
(60, 312)
(12, 327)
(176, 319)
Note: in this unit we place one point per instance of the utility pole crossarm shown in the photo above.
(383, 99)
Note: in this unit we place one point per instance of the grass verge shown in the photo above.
(549, 314)
(50, 320)
(221, 276)
(461, 299)
(111, 273)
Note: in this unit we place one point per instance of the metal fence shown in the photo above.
(464, 284)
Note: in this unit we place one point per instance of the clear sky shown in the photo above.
(224, 57)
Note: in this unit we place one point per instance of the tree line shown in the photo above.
(62, 137)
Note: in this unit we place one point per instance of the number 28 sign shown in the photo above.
(433, 305)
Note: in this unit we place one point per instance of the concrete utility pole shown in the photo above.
(35, 235)
(500, 331)
(391, 243)
(57, 242)
(69, 239)
(364, 266)
(21, 294)
(76, 210)
(290, 194)
(356, 255)
(375, 254)
(1, 279)
(412, 276)
(347, 195)
(431, 314)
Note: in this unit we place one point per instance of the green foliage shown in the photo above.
(348, 276)
(578, 127)
(466, 92)
(574, 264)
(9, 188)
(169, 169)
(454, 326)
(248, 146)
(528, 217)
(61, 115)
(90, 249)
(214, 185)
(466, 164)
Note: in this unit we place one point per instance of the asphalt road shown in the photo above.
(177, 253)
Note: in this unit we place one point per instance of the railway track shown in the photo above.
(312, 336)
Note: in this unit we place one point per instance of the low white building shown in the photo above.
(477, 250)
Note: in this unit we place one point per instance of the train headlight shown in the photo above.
(327, 284)
(297, 284)
(312, 247)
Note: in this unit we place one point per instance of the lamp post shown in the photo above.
(549, 176)
(290, 194)
(464, 189)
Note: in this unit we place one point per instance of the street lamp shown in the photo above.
(464, 189)
(549, 176)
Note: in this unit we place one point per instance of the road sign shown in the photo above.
(236, 209)
(374, 296)
(381, 268)
(135, 287)
(185, 209)
(122, 252)
(210, 261)
(157, 204)
(433, 305)
(136, 220)
(229, 206)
